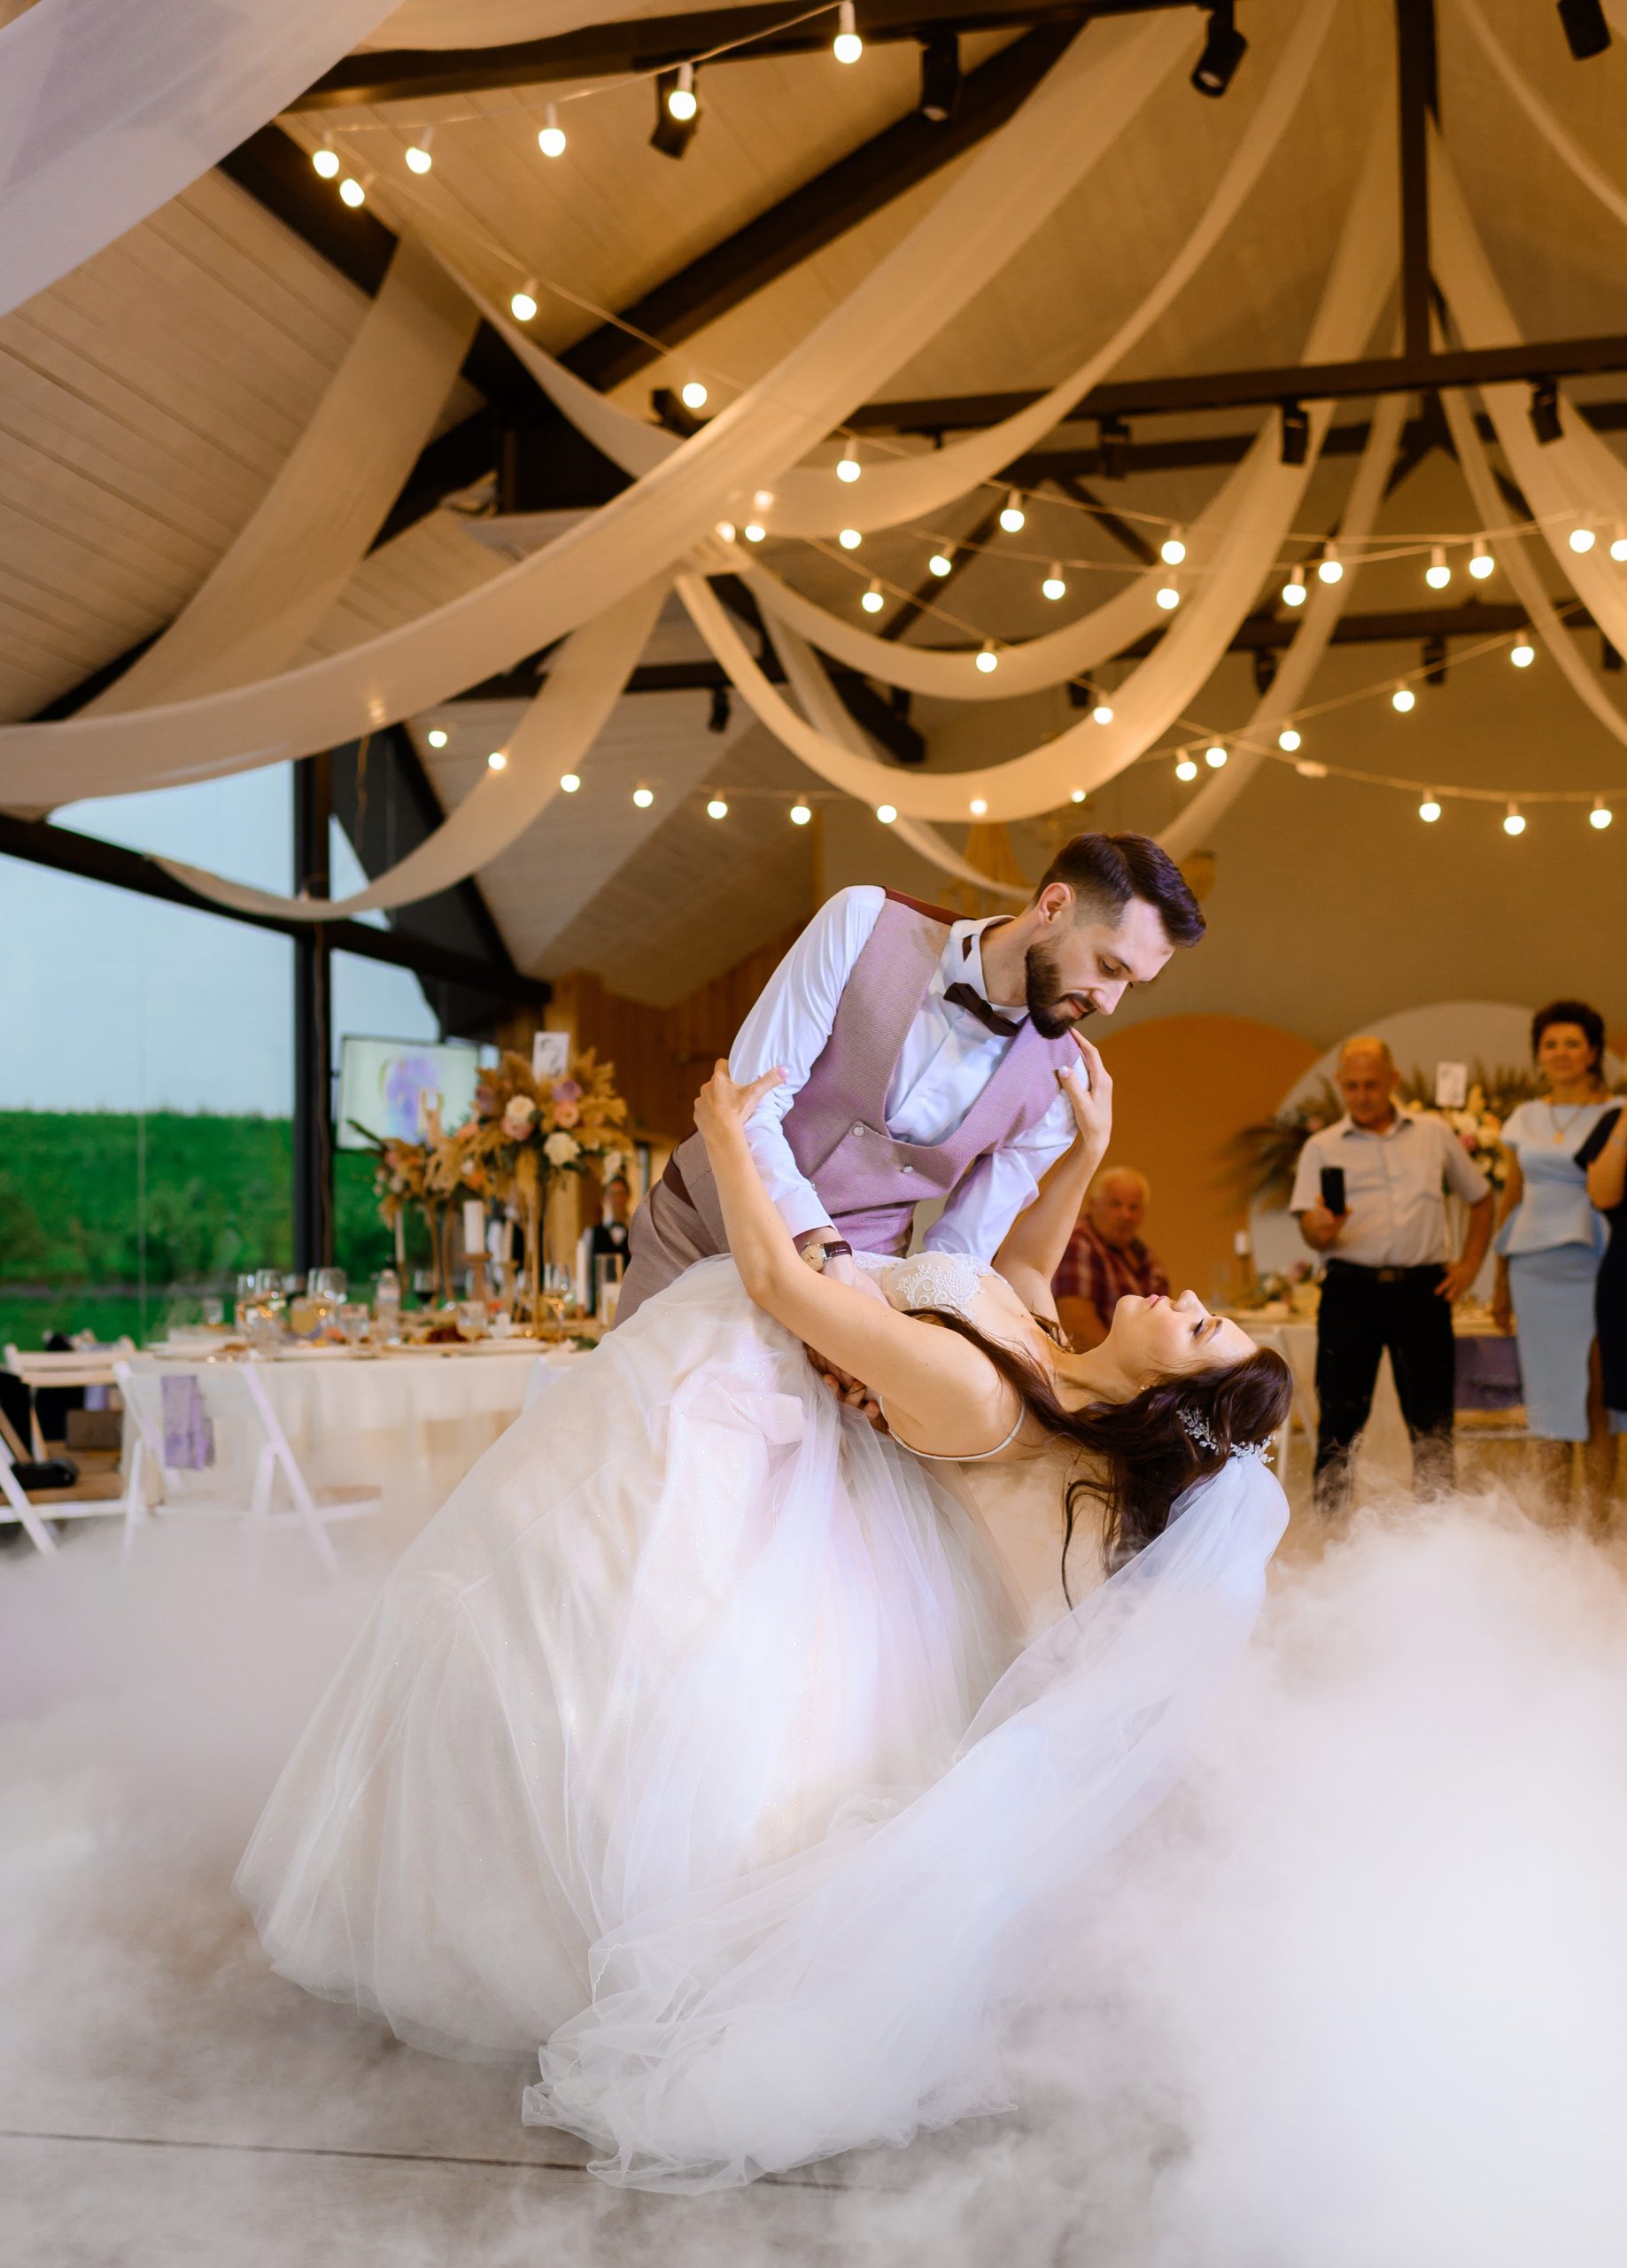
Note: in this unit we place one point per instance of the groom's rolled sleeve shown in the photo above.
(981, 1210)
(789, 1029)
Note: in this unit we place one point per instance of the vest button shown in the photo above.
(861, 1129)
(907, 1168)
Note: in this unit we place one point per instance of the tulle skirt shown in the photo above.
(690, 1746)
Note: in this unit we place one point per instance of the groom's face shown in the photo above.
(1083, 965)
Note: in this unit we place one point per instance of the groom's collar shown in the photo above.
(962, 963)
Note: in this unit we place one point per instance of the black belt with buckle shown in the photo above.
(1431, 1267)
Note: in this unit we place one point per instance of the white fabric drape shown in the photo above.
(1159, 690)
(495, 23)
(1552, 129)
(585, 680)
(1304, 658)
(1006, 192)
(311, 529)
(892, 491)
(108, 108)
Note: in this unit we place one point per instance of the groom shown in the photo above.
(920, 1057)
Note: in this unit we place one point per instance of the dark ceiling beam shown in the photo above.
(931, 587)
(651, 42)
(1128, 537)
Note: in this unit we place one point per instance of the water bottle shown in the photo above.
(387, 1307)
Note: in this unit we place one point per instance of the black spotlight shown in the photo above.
(1609, 656)
(1112, 446)
(1587, 32)
(1223, 50)
(675, 130)
(1545, 410)
(940, 77)
(1265, 671)
(1435, 661)
(1296, 433)
(718, 719)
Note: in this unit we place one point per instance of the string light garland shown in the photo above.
(846, 46)
(551, 135)
(1055, 586)
(417, 153)
(569, 782)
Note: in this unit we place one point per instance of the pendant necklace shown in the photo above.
(1560, 1132)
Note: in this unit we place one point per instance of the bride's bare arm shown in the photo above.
(938, 1388)
(1037, 1238)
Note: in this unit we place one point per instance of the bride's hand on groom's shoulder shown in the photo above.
(722, 1102)
(1089, 1086)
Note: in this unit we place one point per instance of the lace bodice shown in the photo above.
(949, 1280)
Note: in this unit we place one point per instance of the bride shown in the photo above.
(697, 1742)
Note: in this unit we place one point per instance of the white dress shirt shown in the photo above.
(1393, 1188)
(947, 1058)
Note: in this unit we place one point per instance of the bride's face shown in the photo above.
(1158, 1337)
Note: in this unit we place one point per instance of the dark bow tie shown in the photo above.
(963, 996)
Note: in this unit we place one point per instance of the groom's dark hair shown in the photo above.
(1105, 871)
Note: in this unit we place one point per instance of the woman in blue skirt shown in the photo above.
(1550, 1241)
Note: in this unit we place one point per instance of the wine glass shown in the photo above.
(353, 1321)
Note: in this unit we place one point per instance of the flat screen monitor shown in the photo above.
(383, 1083)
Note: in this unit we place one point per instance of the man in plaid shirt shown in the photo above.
(1105, 1257)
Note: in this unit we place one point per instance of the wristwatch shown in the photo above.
(819, 1255)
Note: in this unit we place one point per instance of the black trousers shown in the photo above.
(1362, 1315)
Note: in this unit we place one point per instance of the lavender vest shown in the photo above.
(869, 1182)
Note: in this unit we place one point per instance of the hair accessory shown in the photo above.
(1199, 1430)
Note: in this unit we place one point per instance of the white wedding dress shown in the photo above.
(696, 1744)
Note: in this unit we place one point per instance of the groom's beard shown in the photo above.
(1051, 1008)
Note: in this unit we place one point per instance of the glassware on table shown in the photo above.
(353, 1322)
(265, 1330)
(215, 1312)
(608, 1272)
(424, 1286)
(387, 1306)
(270, 1295)
(244, 1294)
(471, 1318)
(557, 1287)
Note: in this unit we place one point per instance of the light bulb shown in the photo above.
(644, 798)
(436, 737)
(352, 193)
(846, 46)
(1429, 811)
(1078, 795)
(681, 103)
(1293, 590)
(523, 306)
(417, 153)
(1601, 814)
(1403, 698)
(1523, 653)
(1103, 713)
(1169, 597)
(800, 815)
(988, 659)
(940, 563)
(1012, 517)
(1481, 562)
(1171, 551)
(847, 465)
(717, 808)
(978, 807)
(754, 530)
(1330, 567)
(569, 782)
(1288, 739)
(1513, 821)
(1583, 538)
(551, 140)
(1186, 769)
(1618, 542)
(725, 528)
(1308, 768)
(1054, 586)
(692, 394)
(1437, 574)
(849, 539)
(872, 602)
(886, 813)
(765, 500)
(326, 161)
(1215, 756)
(497, 761)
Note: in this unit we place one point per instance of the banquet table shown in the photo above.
(408, 1421)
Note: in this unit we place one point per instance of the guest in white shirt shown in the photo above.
(1389, 1283)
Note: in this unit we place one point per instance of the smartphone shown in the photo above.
(1333, 1188)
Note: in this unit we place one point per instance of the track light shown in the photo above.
(940, 77)
(1171, 551)
(1437, 574)
(1587, 32)
(941, 564)
(692, 394)
(846, 46)
(352, 193)
(849, 539)
(1513, 821)
(551, 138)
(1223, 50)
(1544, 410)
(847, 465)
(1054, 586)
(1429, 810)
(886, 813)
(326, 159)
(1601, 814)
(718, 716)
(988, 659)
(1296, 436)
(1523, 653)
(644, 798)
(417, 153)
(1012, 517)
(677, 110)
(1186, 769)
(1330, 567)
(872, 602)
(523, 305)
(717, 808)
(1404, 699)
(800, 814)
(569, 782)
(1293, 590)
(437, 736)
(1481, 562)
(1583, 538)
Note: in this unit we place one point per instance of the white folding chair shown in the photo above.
(93, 1495)
(76, 1366)
(251, 1454)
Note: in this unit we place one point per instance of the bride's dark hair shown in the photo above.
(1147, 1458)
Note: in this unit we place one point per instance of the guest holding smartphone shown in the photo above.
(1550, 1241)
(1370, 1196)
